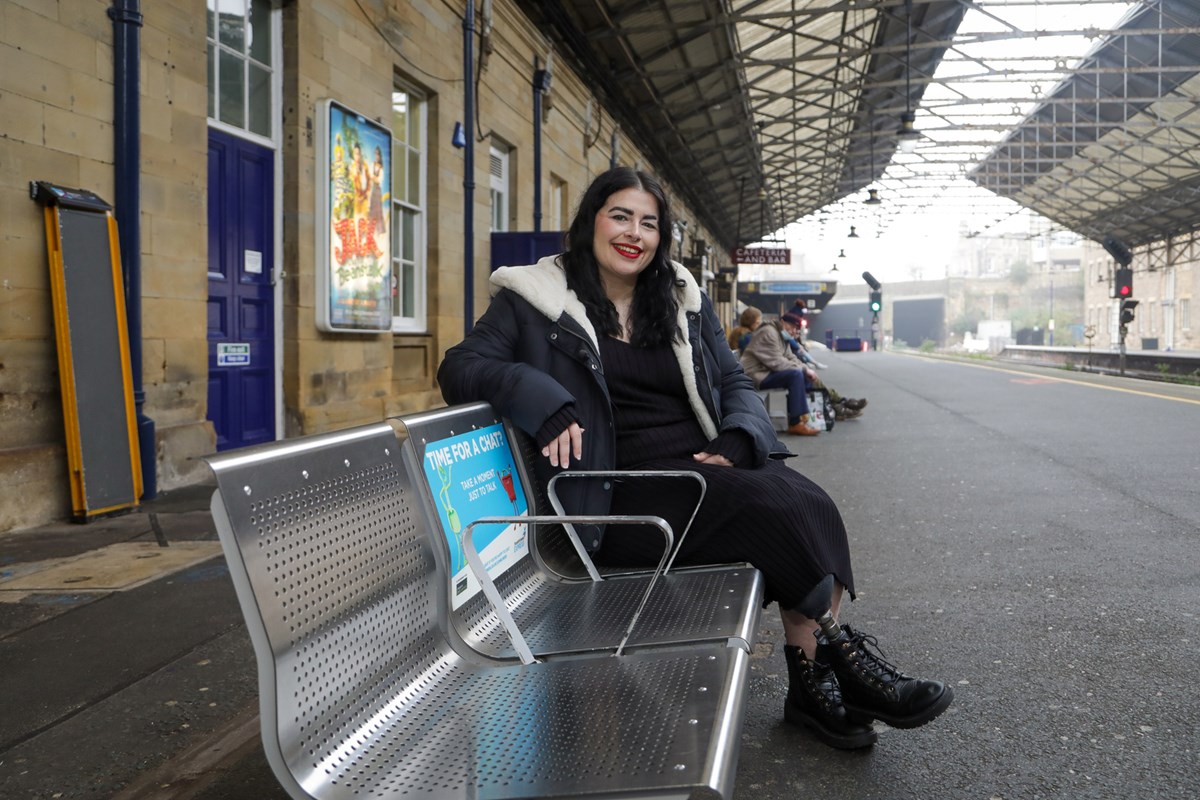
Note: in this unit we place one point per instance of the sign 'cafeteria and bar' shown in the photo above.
(762, 255)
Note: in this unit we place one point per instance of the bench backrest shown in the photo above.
(338, 586)
(459, 481)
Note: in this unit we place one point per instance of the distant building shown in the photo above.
(1166, 278)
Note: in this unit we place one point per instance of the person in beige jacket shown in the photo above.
(771, 364)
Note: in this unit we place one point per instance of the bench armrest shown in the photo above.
(556, 504)
(493, 594)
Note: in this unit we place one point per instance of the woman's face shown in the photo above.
(626, 236)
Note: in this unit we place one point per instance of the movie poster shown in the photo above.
(354, 244)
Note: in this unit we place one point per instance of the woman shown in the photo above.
(748, 323)
(611, 357)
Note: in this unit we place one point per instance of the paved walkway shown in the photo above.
(128, 673)
(121, 647)
(1003, 540)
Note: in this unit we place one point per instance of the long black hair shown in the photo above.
(655, 305)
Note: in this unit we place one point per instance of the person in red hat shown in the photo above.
(771, 364)
(770, 357)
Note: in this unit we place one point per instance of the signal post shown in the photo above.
(1123, 291)
(875, 303)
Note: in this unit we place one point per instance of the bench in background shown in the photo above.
(776, 402)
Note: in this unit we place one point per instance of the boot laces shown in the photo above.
(824, 684)
(874, 661)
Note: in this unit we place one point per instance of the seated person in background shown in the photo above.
(844, 407)
(771, 364)
(802, 353)
(797, 342)
(610, 356)
(748, 323)
(751, 319)
(739, 337)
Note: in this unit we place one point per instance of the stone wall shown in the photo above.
(56, 113)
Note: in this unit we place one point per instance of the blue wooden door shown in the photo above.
(241, 346)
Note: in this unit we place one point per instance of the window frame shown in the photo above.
(498, 186)
(214, 47)
(402, 148)
(558, 204)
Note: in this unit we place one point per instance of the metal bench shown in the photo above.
(527, 609)
(776, 402)
(365, 690)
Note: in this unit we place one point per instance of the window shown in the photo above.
(558, 204)
(239, 64)
(409, 151)
(498, 167)
(1185, 314)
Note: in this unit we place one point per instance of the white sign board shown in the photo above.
(233, 354)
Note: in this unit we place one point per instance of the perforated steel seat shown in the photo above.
(363, 695)
(719, 603)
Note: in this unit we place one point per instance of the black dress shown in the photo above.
(772, 517)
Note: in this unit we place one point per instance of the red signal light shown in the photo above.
(1123, 283)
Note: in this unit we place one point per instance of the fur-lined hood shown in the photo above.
(544, 286)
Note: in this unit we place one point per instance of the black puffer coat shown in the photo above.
(534, 350)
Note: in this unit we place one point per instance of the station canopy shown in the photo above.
(1113, 150)
(762, 112)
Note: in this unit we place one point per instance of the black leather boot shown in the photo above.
(815, 702)
(872, 688)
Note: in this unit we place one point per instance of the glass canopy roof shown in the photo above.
(763, 112)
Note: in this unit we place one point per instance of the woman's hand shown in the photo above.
(712, 458)
(566, 444)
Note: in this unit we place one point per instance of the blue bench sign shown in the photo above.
(472, 475)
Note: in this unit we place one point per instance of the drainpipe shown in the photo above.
(127, 164)
(541, 85)
(468, 171)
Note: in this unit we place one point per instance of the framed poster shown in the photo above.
(354, 243)
(472, 475)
